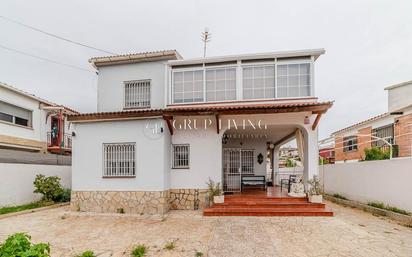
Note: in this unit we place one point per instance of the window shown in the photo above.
(221, 84)
(137, 94)
(384, 132)
(119, 160)
(350, 143)
(188, 86)
(247, 161)
(293, 80)
(180, 157)
(6, 117)
(259, 82)
(14, 114)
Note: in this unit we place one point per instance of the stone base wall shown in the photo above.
(134, 202)
(187, 199)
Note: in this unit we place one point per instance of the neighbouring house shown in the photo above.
(327, 150)
(164, 125)
(30, 123)
(391, 128)
(288, 153)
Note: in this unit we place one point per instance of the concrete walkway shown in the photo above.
(350, 233)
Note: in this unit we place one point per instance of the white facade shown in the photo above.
(110, 90)
(399, 96)
(153, 170)
(19, 187)
(33, 135)
(371, 181)
(36, 131)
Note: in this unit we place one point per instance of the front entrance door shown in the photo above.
(236, 162)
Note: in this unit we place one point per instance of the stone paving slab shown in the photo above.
(350, 232)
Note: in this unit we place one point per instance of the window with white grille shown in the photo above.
(137, 94)
(188, 86)
(259, 82)
(350, 143)
(119, 160)
(293, 80)
(383, 133)
(180, 156)
(221, 84)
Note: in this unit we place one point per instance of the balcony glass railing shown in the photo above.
(242, 82)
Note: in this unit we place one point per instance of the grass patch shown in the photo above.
(170, 246)
(87, 253)
(10, 209)
(339, 196)
(389, 208)
(139, 251)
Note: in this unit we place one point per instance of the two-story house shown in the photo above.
(392, 129)
(165, 125)
(30, 123)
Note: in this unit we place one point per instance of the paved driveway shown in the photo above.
(350, 233)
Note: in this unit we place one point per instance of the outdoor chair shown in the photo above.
(286, 182)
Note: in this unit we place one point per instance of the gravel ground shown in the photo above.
(350, 233)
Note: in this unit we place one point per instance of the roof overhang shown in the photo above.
(399, 85)
(46, 104)
(135, 58)
(271, 55)
(313, 107)
(381, 116)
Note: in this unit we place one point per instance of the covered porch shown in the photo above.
(251, 156)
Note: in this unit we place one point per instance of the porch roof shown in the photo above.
(190, 110)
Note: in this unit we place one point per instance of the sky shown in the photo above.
(368, 44)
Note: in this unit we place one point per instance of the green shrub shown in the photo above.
(339, 196)
(198, 254)
(377, 205)
(388, 207)
(214, 189)
(87, 253)
(376, 153)
(139, 251)
(290, 163)
(49, 187)
(19, 245)
(64, 196)
(315, 186)
(10, 209)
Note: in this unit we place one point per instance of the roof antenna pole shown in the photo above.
(206, 37)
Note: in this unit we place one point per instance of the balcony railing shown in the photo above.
(66, 141)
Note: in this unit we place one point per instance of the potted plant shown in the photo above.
(315, 190)
(215, 192)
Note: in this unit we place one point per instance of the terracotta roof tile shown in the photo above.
(205, 110)
(362, 122)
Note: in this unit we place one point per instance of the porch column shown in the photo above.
(275, 164)
(311, 166)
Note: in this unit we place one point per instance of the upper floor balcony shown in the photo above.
(284, 75)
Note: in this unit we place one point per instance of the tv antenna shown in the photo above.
(206, 37)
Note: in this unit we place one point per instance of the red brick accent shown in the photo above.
(364, 141)
(403, 135)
